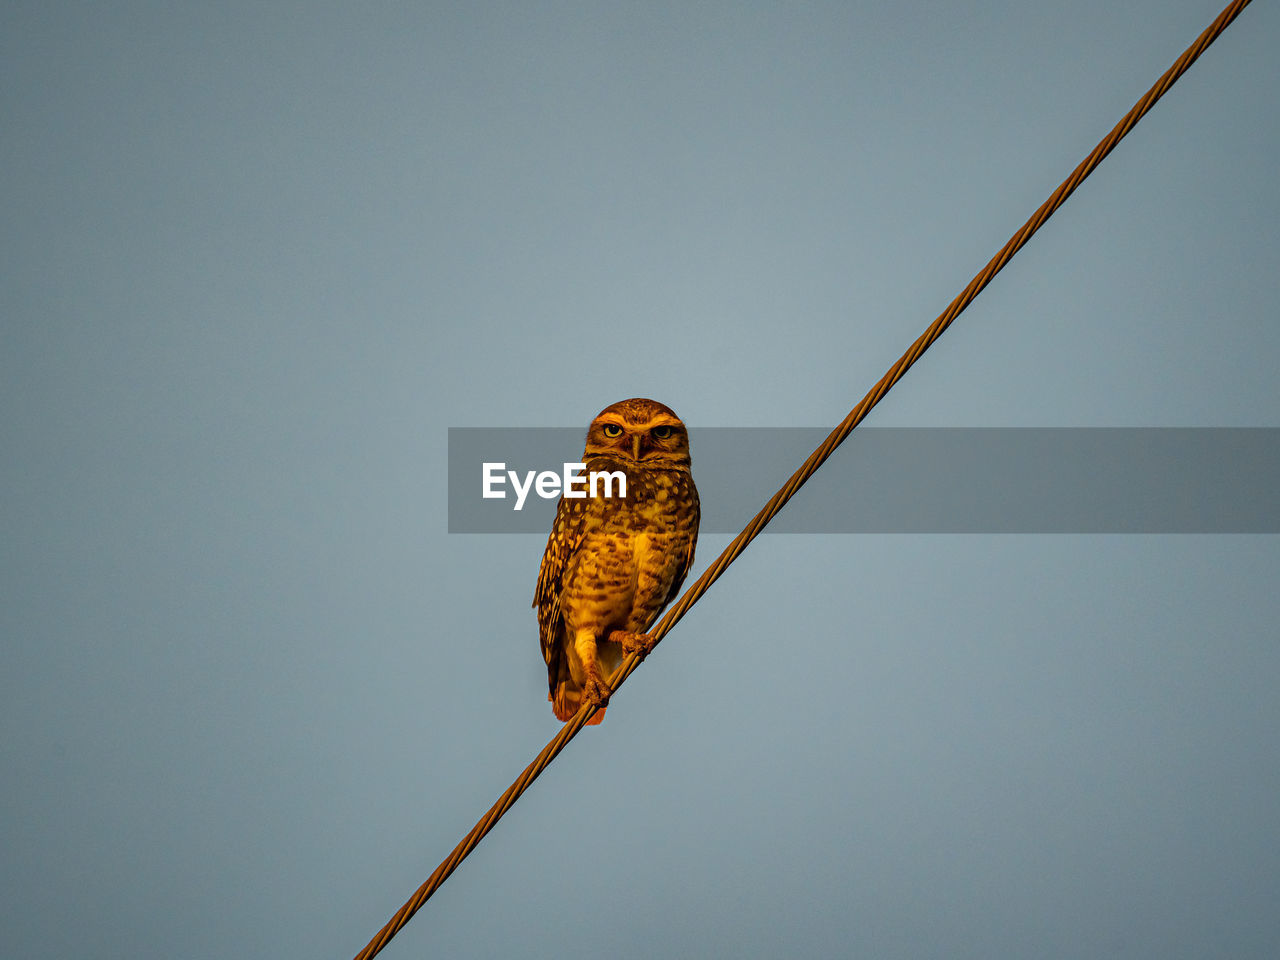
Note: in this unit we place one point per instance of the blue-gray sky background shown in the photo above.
(258, 259)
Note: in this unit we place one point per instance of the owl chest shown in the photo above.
(616, 578)
(622, 571)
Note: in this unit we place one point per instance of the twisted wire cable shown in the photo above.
(806, 470)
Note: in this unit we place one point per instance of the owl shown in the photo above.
(613, 562)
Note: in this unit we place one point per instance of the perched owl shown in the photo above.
(613, 563)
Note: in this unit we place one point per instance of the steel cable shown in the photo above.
(837, 436)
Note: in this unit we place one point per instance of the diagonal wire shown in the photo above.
(806, 470)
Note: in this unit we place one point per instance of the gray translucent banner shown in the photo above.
(914, 480)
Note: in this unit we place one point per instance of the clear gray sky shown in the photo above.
(257, 259)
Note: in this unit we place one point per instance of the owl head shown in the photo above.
(644, 431)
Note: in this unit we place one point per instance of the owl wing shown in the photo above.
(686, 562)
(566, 536)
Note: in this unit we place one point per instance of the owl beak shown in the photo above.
(635, 447)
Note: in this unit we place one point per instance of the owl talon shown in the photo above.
(641, 644)
(596, 692)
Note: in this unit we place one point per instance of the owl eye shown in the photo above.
(612, 430)
(661, 433)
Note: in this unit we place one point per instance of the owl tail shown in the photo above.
(566, 702)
